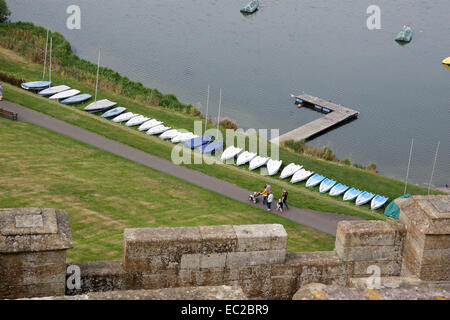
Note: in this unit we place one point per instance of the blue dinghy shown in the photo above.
(77, 99)
(363, 198)
(211, 147)
(198, 141)
(326, 185)
(113, 112)
(352, 194)
(338, 189)
(314, 180)
(378, 202)
(36, 85)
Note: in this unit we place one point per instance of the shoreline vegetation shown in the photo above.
(16, 63)
(324, 153)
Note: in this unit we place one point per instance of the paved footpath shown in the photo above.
(321, 221)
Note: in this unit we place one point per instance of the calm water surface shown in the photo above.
(321, 47)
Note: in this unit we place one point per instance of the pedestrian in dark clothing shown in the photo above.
(284, 198)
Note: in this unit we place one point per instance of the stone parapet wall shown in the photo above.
(270, 281)
(252, 257)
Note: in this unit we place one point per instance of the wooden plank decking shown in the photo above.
(336, 115)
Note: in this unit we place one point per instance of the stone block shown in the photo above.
(237, 259)
(214, 260)
(368, 253)
(190, 261)
(387, 268)
(218, 239)
(283, 287)
(159, 247)
(166, 279)
(260, 237)
(358, 233)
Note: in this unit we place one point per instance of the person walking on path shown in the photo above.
(269, 201)
(1, 92)
(280, 206)
(265, 193)
(284, 198)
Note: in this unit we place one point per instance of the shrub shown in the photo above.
(346, 162)
(296, 146)
(11, 79)
(372, 167)
(228, 123)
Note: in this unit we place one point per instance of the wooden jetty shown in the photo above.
(335, 115)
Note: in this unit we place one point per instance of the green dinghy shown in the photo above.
(251, 7)
(405, 35)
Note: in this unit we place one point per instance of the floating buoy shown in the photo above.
(299, 105)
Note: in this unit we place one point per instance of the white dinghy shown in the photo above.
(273, 166)
(149, 124)
(124, 117)
(301, 175)
(100, 106)
(158, 129)
(136, 121)
(65, 94)
(183, 137)
(230, 153)
(289, 170)
(53, 90)
(258, 162)
(169, 134)
(245, 157)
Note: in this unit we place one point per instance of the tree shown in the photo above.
(4, 11)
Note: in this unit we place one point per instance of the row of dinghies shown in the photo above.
(297, 174)
(204, 144)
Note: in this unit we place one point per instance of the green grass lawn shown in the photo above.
(299, 195)
(104, 194)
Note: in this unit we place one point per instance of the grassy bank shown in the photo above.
(104, 194)
(21, 66)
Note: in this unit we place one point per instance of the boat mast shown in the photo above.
(50, 63)
(96, 82)
(409, 163)
(207, 104)
(434, 165)
(218, 115)
(45, 57)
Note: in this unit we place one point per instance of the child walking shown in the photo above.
(280, 206)
(269, 201)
